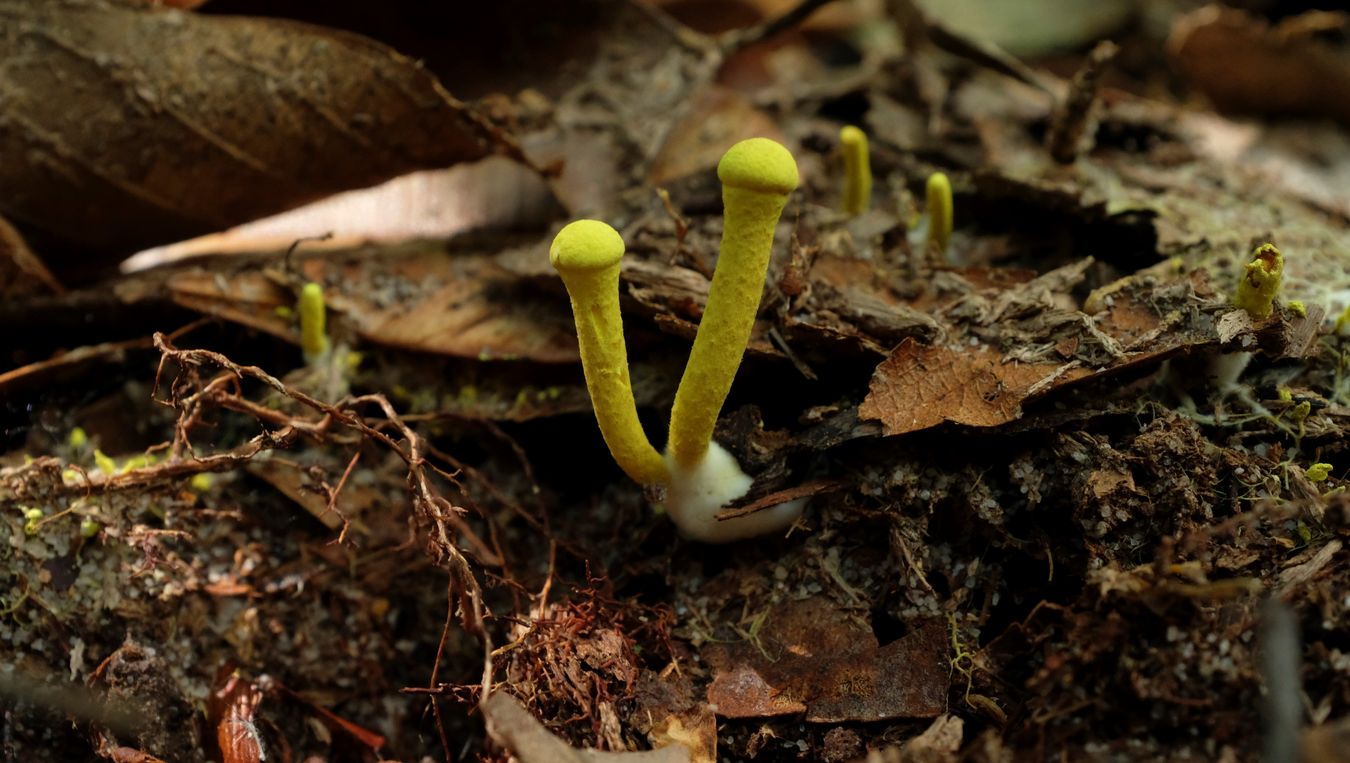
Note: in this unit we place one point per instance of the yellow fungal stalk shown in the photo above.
(586, 254)
(939, 194)
(857, 171)
(757, 175)
(313, 323)
(1260, 282)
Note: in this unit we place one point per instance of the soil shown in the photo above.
(1066, 500)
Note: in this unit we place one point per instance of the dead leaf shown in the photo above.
(464, 304)
(920, 386)
(812, 657)
(718, 117)
(21, 272)
(167, 124)
(1246, 66)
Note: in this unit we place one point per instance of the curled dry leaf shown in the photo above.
(1245, 65)
(919, 387)
(166, 124)
(21, 272)
(811, 657)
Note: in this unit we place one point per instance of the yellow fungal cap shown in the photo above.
(1260, 282)
(939, 192)
(852, 136)
(758, 164)
(586, 245)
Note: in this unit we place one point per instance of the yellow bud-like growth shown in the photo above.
(1260, 282)
(857, 170)
(313, 323)
(757, 175)
(586, 254)
(939, 193)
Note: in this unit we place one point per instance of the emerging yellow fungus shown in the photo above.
(313, 319)
(1318, 472)
(586, 254)
(757, 175)
(939, 192)
(857, 171)
(1260, 282)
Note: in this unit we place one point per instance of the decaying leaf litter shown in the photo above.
(1038, 529)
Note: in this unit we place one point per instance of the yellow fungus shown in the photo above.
(1342, 326)
(32, 520)
(1260, 282)
(757, 175)
(104, 462)
(313, 318)
(1319, 472)
(1300, 309)
(586, 254)
(78, 438)
(857, 171)
(939, 192)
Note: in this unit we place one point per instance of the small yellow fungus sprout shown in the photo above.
(933, 229)
(1319, 472)
(78, 438)
(857, 171)
(104, 462)
(32, 520)
(1342, 327)
(1298, 308)
(939, 193)
(1260, 282)
(313, 324)
(89, 528)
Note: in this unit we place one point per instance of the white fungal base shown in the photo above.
(695, 496)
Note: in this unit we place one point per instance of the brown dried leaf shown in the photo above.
(22, 274)
(717, 118)
(811, 656)
(166, 124)
(1246, 66)
(466, 305)
(919, 387)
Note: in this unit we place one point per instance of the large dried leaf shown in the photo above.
(919, 387)
(813, 657)
(166, 124)
(465, 305)
(1246, 66)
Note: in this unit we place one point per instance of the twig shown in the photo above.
(1072, 126)
(743, 38)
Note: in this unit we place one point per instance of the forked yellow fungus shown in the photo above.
(857, 170)
(586, 254)
(313, 323)
(1260, 282)
(699, 475)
